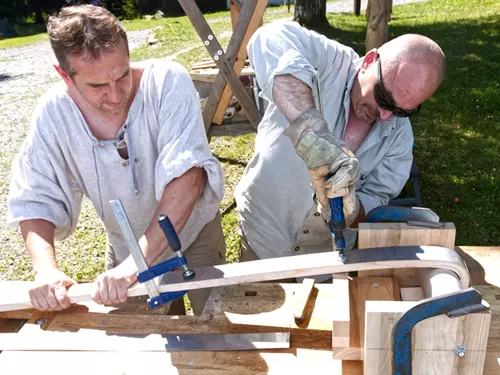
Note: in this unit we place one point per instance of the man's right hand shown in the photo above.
(333, 168)
(50, 293)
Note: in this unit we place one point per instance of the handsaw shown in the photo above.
(15, 296)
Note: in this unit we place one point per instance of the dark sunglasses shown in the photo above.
(386, 101)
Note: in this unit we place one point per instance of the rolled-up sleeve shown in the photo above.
(182, 141)
(389, 177)
(284, 47)
(41, 187)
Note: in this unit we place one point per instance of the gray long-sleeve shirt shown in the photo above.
(61, 160)
(274, 197)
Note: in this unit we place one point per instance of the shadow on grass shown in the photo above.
(457, 134)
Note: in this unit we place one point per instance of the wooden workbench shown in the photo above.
(235, 309)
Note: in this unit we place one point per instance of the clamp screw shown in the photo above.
(188, 274)
(460, 351)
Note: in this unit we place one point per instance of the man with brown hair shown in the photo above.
(114, 130)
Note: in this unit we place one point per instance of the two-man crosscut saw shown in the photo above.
(16, 297)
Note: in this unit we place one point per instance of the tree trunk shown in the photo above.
(310, 13)
(357, 7)
(378, 15)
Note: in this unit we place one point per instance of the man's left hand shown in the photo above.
(112, 285)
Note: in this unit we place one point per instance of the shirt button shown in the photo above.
(306, 231)
(316, 214)
(125, 163)
(297, 248)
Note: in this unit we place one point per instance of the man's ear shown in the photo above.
(370, 58)
(66, 78)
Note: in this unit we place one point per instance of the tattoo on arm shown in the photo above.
(292, 96)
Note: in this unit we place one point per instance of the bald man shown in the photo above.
(336, 125)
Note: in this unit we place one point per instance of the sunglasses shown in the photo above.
(385, 100)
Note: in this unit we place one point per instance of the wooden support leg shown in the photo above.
(220, 58)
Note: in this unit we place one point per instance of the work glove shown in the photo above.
(333, 168)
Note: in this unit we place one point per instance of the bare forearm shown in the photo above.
(178, 201)
(292, 96)
(38, 236)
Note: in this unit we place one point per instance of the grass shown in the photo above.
(457, 133)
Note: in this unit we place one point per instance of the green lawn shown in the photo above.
(456, 135)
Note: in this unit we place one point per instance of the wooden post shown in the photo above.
(378, 15)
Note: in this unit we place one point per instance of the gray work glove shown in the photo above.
(333, 168)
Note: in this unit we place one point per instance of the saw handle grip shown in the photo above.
(168, 229)
(337, 222)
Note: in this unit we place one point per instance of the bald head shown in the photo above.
(413, 68)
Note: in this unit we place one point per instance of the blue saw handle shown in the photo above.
(337, 210)
(168, 229)
(337, 222)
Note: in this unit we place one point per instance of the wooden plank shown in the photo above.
(400, 234)
(244, 308)
(342, 332)
(301, 298)
(349, 322)
(483, 263)
(433, 341)
(210, 75)
(231, 130)
(272, 269)
(236, 52)
(189, 363)
(10, 325)
(99, 341)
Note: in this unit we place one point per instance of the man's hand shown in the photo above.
(112, 285)
(333, 168)
(50, 293)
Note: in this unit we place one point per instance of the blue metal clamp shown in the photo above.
(169, 265)
(453, 305)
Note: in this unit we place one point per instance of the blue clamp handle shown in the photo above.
(337, 222)
(169, 230)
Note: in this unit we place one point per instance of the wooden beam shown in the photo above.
(400, 234)
(301, 298)
(236, 51)
(231, 129)
(252, 362)
(349, 322)
(271, 269)
(221, 59)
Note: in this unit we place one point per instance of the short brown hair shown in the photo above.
(84, 29)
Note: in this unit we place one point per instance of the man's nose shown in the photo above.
(384, 114)
(114, 93)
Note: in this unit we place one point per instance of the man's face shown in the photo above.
(378, 97)
(105, 83)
